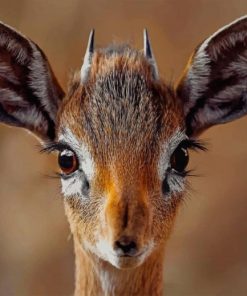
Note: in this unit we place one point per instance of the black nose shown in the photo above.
(125, 246)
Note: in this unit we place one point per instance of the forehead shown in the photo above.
(120, 108)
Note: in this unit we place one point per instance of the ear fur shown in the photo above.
(29, 92)
(213, 88)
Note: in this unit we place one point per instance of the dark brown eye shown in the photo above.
(180, 158)
(67, 161)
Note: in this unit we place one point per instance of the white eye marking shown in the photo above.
(167, 149)
(74, 184)
(86, 162)
(176, 183)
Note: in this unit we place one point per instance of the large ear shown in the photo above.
(29, 92)
(213, 88)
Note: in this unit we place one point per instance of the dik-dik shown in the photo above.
(122, 137)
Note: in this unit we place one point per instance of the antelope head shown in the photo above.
(121, 133)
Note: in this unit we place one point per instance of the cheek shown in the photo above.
(85, 217)
(164, 213)
(71, 215)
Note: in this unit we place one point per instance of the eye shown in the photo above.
(67, 161)
(180, 158)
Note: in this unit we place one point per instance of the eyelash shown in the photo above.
(195, 145)
(188, 143)
(192, 144)
(180, 174)
(55, 146)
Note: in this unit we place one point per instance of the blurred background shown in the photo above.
(207, 253)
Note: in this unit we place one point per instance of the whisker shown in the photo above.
(54, 175)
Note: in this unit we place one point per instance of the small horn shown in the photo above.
(87, 58)
(148, 53)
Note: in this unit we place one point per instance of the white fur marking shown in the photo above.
(167, 150)
(175, 182)
(73, 185)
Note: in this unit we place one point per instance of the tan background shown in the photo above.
(207, 254)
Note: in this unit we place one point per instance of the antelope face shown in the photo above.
(122, 134)
(124, 154)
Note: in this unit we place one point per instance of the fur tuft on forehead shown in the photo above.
(118, 57)
(121, 104)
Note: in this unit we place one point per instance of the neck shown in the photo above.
(97, 277)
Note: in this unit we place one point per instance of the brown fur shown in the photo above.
(127, 119)
(146, 279)
(121, 105)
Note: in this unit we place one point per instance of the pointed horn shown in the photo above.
(148, 53)
(87, 58)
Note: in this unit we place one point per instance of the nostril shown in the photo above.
(126, 246)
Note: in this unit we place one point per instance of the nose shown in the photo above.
(125, 246)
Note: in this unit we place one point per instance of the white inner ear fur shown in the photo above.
(199, 71)
(73, 185)
(175, 182)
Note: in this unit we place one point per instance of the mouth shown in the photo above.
(122, 261)
(128, 261)
(130, 256)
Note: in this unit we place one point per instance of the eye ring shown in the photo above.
(67, 161)
(180, 158)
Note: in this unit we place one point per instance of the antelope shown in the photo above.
(122, 137)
